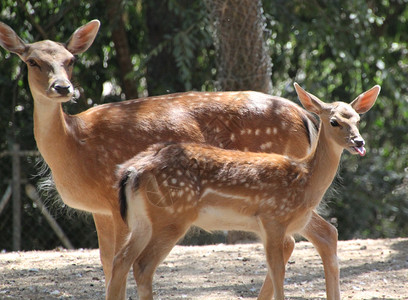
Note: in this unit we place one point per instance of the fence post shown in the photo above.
(16, 187)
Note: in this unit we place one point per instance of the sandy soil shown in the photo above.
(370, 269)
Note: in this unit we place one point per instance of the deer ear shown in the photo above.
(366, 100)
(83, 37)
(309, 101)
(10, 41)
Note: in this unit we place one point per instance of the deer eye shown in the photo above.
(334, 123)
(32, 63)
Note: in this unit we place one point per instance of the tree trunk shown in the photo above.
(243, 61)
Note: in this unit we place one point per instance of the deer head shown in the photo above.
(343, 118)
(50, 63)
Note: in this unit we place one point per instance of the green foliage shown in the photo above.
(189, 38)
(179, 47)
(337, 50)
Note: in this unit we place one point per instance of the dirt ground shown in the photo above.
(370, 269)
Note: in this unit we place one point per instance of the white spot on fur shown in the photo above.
(170, 209)
(266, 146)
(271, 201)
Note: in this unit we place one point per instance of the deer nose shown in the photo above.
(359, 141)
(63, 88)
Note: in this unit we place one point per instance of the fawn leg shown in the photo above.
(324, 237)
(266, 292)
(136, 243)
(273, 237)
(160, 245)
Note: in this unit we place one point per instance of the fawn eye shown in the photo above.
(334, 123)
(71, 62)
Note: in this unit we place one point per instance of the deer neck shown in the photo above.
(322, 163)
(55, 137)
(56, 134)
(50, 129)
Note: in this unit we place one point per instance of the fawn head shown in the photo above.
(340, 119)
(50, 63)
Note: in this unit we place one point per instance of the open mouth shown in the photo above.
(360, 150)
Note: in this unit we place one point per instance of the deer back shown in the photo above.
(177, 177)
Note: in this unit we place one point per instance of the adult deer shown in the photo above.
(83, 150)
(169, 187)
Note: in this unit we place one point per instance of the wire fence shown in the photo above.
(33, 219)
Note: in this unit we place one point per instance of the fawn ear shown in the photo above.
(309, 101)
(10, 41)
(366, 100)
(83, 37)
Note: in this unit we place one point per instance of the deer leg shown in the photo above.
(273, 237)
(324, 237)
(105, 229)
(138, 239)
(276, 266)
(266, 292)
(161, 243)
(112, 233)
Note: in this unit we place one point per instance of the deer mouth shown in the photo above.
(59, 97)
(358, 150)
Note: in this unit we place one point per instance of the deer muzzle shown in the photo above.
(359, 146)
(62, 88)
